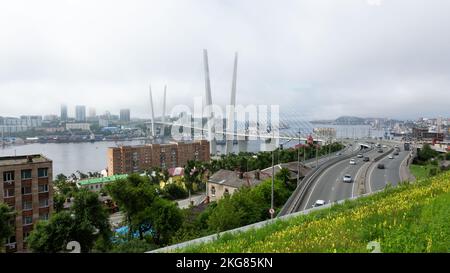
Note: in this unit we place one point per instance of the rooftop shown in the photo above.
(231, 178)
(23, 159)
(162, 144)
(99, 180)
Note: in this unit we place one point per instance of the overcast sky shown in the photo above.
(319, 58)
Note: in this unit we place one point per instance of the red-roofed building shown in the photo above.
(176, 171)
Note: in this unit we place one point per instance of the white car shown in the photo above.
(352, 162)
(347, 178)
(319, 203)
(359, 155)
(391, 157)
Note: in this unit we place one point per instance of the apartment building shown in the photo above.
(26, 186)
(132, 159)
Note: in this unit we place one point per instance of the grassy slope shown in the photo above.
(409, 218)
(420, 171)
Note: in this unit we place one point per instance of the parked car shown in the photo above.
(380, 166)
(319, 203)
(347, 178)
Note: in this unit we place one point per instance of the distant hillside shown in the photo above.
(349, 120)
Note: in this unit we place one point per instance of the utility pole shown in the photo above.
(317, 155)
(304, 153)
(298, 158)
(273, 177)
(329, 147)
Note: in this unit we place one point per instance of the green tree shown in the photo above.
(6, 216)
(224, 216)
(263, 192)
(144, 209)
(426, 153)
(134, 195)
(174, 191)
(284, 175)
(242, 208)
(166, 219)
(58, 202)
(53, 236)
(86, 222)
(87, 207)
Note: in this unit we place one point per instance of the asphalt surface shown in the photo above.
(329, 185)
(379, 178)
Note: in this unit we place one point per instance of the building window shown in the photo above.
(27, 220)
(42, 172)
(43, 188)
(227, 191)
(11, 242)
(8, 193)
(8, 176)
(26, 174)
(43, 203)
(26, 190)
(27, 205)
(213, 191)
(25, 235)
(43, 216)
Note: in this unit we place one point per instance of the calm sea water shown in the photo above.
(90, 157)
(69, 157)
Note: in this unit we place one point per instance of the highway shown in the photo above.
(329, 186)
(378, 178)
(326, 183)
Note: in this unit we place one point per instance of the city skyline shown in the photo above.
(372, 65)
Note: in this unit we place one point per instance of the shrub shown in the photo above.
(433, 171)
(173, 191)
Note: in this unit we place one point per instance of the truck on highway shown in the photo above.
(406, 146)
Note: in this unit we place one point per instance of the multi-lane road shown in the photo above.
(378, 178)
(329, 185)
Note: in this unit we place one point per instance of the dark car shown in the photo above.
(380, 166)
(380, 150)
(366, 159)
(396, 153)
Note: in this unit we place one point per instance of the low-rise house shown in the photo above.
(227, 182)
(96, 184)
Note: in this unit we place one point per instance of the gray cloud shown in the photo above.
(321, 58)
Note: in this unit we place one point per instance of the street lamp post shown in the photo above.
(273, 177)
(317, 155)
(298, 158)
